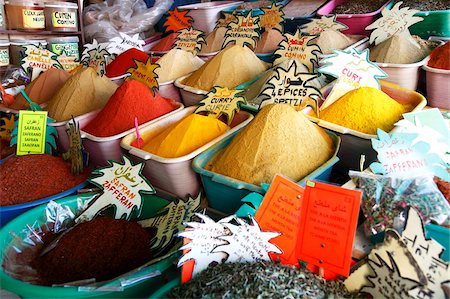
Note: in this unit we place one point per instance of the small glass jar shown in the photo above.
(4, 52)
(61, 16)
(17, 50)
(25, 15)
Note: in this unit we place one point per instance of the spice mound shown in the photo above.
(103, 248)
(401, 48)
(42, 89)
(32, 177)
(440, 57)
(132, 99)
(84, 92)
(230, 67)
(124, 61)
(278, 140)
(185, 136)
(331, 39)
(364, 110)
(269, 41)
(166, 43)
(214, 40)
(176, 63)
(258, 280)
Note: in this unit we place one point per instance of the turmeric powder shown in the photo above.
(364, 110)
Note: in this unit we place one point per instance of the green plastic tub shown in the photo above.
(435, 23)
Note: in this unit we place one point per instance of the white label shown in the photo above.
(33, 18)
(64, 19)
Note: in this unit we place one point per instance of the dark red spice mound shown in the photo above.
(444, 187)
(103, 248)
(32, 177)
(124, 61)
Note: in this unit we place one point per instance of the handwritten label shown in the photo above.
(290, 87)
(120, 44)
(39, 60)
(221, 101)
(64, 19)
(177, 20)
(7, 127)
(244, 31)
(353, 70)
(280, 211)
(97, 56)
(226, 19)
(298, 47)
(31, 132)
(123, 186)
(327, 226)
(33, 18)
(393, 21)
(317, 26)
(68, 62)
(189, 40)
(272, 17)
(145, 73)
(398, 154)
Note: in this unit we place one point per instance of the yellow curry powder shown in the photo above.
(185, 136)
(364, 110)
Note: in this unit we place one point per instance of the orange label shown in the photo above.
(178, 20)
(280, 212)
(144, 73)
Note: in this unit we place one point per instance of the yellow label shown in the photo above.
(31, 132)
(4, 57)
(33, 18)
(64, 19)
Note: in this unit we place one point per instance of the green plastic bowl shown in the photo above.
(139, 288)
(435, 23)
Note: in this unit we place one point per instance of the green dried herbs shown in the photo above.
(259, 280)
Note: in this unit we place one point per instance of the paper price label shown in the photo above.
(145, 73)
(189, 40)
(64, 19)
(118, 45)
(242, 32)
(33, 18)
(39, 60)
(177, 20)
(97, 56)
(317, 26)
(31, 132)
(272, 17)
(226, 19)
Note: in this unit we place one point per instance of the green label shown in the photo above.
(71, 49)
(31, 132)
(64, 19)
(4, 57)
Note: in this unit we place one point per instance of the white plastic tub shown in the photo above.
(189, 95)
(438, 87)
(175, 175)
(102, 149)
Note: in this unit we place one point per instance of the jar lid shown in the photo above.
(61, 4)
(21, 42)
(4, 43)
(63, 39)
(26, 3)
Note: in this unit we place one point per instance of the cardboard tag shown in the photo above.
(393, 21)
(177, 20)
(317, 26)
(39, 60)
(75, 151)
(327, 228)
(230, 240)
(7, 127)
(272, 17)
(244, 31)
(68, 63)
(145, 73)
(290, 87)
(353, 70)
(190, 40)
(298, 47)
(226, 19)
(169, 221)
(399, 155)
(120, 44)
(280, 211)
(221, 101)
(123, 186)
(31, 132)
(96, 55)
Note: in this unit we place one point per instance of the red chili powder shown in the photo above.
(440, 57)
(166, 43)
(102, 248)
(124, 61)
(32, 177)
(132, 99)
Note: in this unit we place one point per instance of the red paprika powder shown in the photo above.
(132, 99)
(124, 61)
(166, 43)
(440, 57)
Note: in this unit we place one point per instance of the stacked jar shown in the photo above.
(61, 16)
(18, 43)
(4, 51)
(25, 15)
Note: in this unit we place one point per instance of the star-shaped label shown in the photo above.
(353, 70)
(190, 40)
(123, 186)
(221, 101)
(298, 47)
(96, 55)
(226, 19)
(120, 44)
(317, 26)
(272, 17)
(288, 86)
(177, 20)
(244, 31)
(393, 21)
(68, 62)
(39, 59)
(145, 73)
(7, 127)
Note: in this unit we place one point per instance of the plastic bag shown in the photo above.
(385, 200)
(105, 20)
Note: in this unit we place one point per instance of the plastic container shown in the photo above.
(354, 143)
(442, 235)
(356, 22)
(102, 149)
(17, 50)
(25, 15)
(7, 213)
(136, 287)
(189, 95)
(2, 15)
(4, 52)
(438, 87)
(175, 175)
(61, 16)
(435, 22)
(224, 193)
(69, 44)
